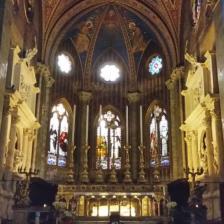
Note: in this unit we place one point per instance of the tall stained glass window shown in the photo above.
(108, 141)
(158, 137)
(58, 132)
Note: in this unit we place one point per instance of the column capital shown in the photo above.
(133, 97)
(177, 73)
(85, 96)
(44, 71)
(170, 84)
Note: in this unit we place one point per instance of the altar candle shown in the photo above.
(141, 134)
(127, 125)
(73, 124)
(87, 123)
(100, 119)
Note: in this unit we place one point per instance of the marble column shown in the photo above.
(25, 146)
(188, 140)
(195, 155)
(29, 148)
(12, 142)
(217, 142)
(208, 142)
(5, 131)
(34, 152)
(176, 113)
(133, 99)
(44, 109)
(82, 151)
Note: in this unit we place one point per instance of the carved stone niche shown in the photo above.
(197, 83)
(21, 75)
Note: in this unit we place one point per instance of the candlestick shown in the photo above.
(141, 135)
(126, 125)
(87, 123)
(73, 124)
(100, 120)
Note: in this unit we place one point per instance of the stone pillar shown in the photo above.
(208, 142)
(29, 148)
(133, 99)
(188, 140)
(217, 143)
(46, 83)
(34, 152)
(12, 142)
(25, 146)
(177, 138)
(195, 155)
(5, 131)
(84, 98)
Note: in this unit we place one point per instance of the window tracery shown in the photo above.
(58, 133)
(158, 137)
(109, 141)
(155, 65)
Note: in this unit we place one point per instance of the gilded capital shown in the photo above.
(133, 97)
(85, 96)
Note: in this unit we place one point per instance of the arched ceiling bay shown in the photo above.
(162, 18)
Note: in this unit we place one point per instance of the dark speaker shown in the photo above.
(42, 192)
(179, 191)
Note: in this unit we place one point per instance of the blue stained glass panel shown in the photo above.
(155, 65)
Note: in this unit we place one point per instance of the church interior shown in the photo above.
(108, 108)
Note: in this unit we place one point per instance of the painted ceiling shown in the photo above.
(124, 26)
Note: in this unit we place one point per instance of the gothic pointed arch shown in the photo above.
(59, 133)
(157, 129)
(109, 137)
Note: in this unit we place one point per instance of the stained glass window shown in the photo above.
(109, 141)
(196, 9)
(155, 65)
(110, 73)
(64, 63)
(158, 137)
(58, 132)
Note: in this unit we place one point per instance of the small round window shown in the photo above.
(110, 73)
(64, 63)
(155, 65)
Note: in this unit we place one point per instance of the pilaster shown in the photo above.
(43, 108)
(133, 99)
(84, 98)
(174, 84)
(11, 147)
(208, 141)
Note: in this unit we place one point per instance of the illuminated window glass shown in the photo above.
(64, 63)
(158, 137)
(110, 73)
(109, 141)
(196, 9)
(155, 65)
(58, 136)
